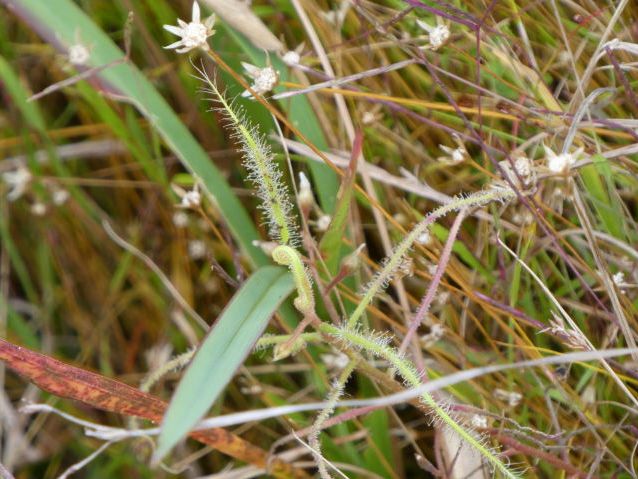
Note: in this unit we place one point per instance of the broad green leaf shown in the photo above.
(223, 351)
(59, 21)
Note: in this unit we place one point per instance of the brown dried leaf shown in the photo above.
(68, 381)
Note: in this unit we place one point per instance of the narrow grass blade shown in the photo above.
(223, 351)
(332, 239)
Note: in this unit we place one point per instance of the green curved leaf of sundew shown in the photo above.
(58, 21)
(222, 352)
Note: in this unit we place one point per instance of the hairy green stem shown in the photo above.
(394, 261)
(322, 417)
(258, 159)
(287, 256)
(406, 369)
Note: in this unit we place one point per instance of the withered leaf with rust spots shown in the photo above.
(70, 382)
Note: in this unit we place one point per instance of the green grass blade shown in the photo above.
(223, 351)
(51, 19)
(19, 95)
(331, 242)
(598, 180)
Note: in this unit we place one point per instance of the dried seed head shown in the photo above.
(512, 398)
(323, 223)
(305, 198)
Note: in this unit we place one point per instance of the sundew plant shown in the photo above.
(325, 239)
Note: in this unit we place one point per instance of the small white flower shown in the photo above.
(564, 58)
(323, 223)
(38, 209)
(60, 197)
(523, 218)
(561, 163)
(17, 181)
(291, 58)
(304, 183)
(436, 333)
(253, 389)
(368, 118)
(454, 156)
(78, 54)
(373, 115)
(479, 421)
(194, 34)
(619, 281)
(437, 35)
(335, 361)
(190, 199)
(443, 298)
(196, 249)
(352, 261)
(180, 219)
(406, 268)
(264, 79)
(337, 17)
(619, 278)
(512, 398)
(424, 238)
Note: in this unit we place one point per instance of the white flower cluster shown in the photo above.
(562, 163)
(264, 79)
(193, 34)
(437, 35)
(17, 181)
